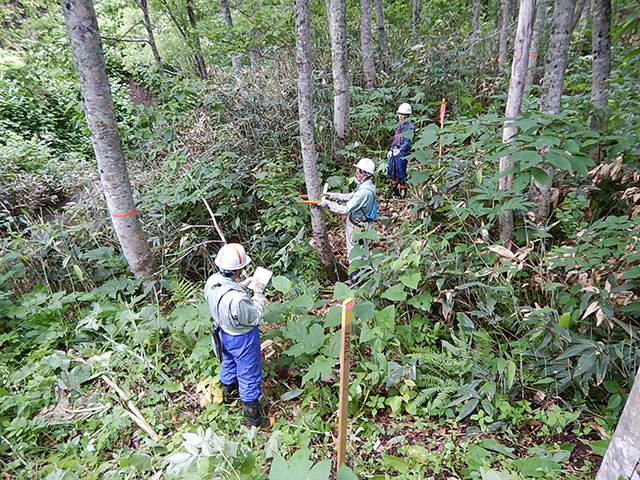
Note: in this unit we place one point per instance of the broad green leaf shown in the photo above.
(281, 283)
(537, 467)
(285, 397)
(511, 373)
(411, 278)
(521, 182)
(585, 363)
(599, 447)
(564, 320)
(495, 446)
(345, 473)
(422, 301)
(540, 175)
(321, 368)
(633, 272)
(468, 408)
(334, 317)
(341, 291)
(398, 463)
(395, 293)
(497, 475)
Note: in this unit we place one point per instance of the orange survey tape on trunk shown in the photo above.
(309, 202)
(125, 214)
(307, 196)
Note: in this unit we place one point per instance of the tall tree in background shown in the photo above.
(623, 454)
(475, 25)
(195, 38)
(552, 85)
(541, 14)
(307, 142)
(236, 63)
(503, 43)
(385, 61)
(337, 12)
(366, 44)
(88, 58)
(514, 102)
(415, 20)
(601, 67)
(144, 6)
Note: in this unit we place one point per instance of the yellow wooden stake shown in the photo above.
(345, 364)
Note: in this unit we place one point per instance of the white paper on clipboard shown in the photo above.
(260, 280)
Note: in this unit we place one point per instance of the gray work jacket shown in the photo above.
(231, 307)
(359, 203)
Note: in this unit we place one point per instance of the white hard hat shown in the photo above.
(366, 165)
(232, 257)
(404, 109)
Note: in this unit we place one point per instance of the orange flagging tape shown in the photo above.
(125, 214)
(533, 54)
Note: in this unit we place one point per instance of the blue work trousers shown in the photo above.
(241, 362)
(397, 169)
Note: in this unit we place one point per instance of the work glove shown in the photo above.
(389, 154)
(395, 151)
(324, 203)
(246, 282)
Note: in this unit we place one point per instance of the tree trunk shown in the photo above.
(504, 33)
(88, 58)
(366, 43)
(475, 25)
(415, 20)
(307, 143)
(144, 6)
(236, 60)
(338, 29)
(552, 90)
(255, 57)
(382, 35)
(579, 11)
(541, 13)
(601, 68)
(202, 69)
(622, 459)
(514, 102)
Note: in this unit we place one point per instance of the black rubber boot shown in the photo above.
(253, 414)
(230, 393)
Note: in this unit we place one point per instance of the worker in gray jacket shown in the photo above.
(236, 338)
(361, 207)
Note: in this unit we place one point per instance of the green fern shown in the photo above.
(183, 290)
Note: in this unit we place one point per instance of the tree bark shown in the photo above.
(579, 11)
(144, 6)
(236, 60)
(552, 85)
(255, 57)
(88, 58)
(385, 61)
(622, 459)
(504, 33)
(338, 29)
(475, 25)
(514, 102)
(366, 44)
(202, 69)
(601, 67)
(415, 20)
(541, 13)
(307, 142)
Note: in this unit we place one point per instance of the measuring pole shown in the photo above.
(345, 363)
(443, 107)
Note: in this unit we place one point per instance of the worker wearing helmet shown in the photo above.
(236, 338)
(361, 206)
(400, 148)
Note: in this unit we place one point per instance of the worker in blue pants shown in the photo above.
(236, 338)
(400, 149)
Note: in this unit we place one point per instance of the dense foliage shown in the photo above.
(472, 359)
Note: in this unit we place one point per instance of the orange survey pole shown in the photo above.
(443, 108)
(345, 364)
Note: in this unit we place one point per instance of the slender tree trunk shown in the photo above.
(144, 6)
(622, 459)
(88, 58)
(366, 43)
(202, 69)
(236, 59)
(338, 29)
(475, 25)
(504, 33)
(552, 85)
(307, 143)
(579, 11)
(415, 20)
(382, 35)
(514, 101)
(255, 57)
(601, 68)
(541, 13)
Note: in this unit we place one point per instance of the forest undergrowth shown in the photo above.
(471, 358)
